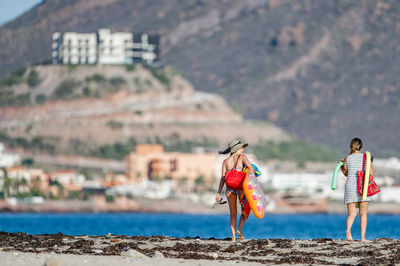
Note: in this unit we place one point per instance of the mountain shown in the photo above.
(106, 110)
(326, 71)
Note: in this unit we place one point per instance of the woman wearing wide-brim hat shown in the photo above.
(237, 160)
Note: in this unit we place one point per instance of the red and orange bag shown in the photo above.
(372, 187)
(234, 178)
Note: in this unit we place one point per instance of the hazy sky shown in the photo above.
(10, 9)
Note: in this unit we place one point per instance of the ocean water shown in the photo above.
(296, 226)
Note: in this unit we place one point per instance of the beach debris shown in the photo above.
(52, 262)
(97, 251)
(108, 235)
(133, 254)
(214, 255)
(322, 251)
(158, 255)
(114, 240)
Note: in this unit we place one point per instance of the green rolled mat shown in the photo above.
(335, 173)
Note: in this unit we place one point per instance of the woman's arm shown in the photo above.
(221, 182)
(246, 162)
(344, 167)
(372, 169)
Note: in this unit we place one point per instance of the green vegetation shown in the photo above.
(40, 98)
(175, 143)
(72, 67)
(117, 82)
(236, 108)
(115, 124)
(200, 180)
(20, 99)
(293, 151)
(74, 194)
(66, 89)
(33, 78)
(148, 83)
(37, 143)
(117, 150)
(137, 81)
(131, 67)
(16, 77)
(28, 162)
(28, 128)
(7, 96)
(96, 78)
(160, 75)
(109, 198)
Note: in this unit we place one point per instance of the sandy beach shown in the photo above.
(59, 249)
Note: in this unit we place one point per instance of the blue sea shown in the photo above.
(296, 226)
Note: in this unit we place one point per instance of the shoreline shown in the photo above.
(177, 206)
(21, 248)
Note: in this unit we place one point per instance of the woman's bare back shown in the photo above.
(230, 162)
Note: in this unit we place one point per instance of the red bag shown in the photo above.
(372, 187)
(234, 178)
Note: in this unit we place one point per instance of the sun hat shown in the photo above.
(234, 146)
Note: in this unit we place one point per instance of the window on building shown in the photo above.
(173, 165)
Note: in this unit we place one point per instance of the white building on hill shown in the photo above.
(103, 47)
(8, 159)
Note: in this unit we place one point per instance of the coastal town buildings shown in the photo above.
(8, 159)
(151, 161)
(69, 179)
(104, 47)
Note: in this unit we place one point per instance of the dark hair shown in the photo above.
(355, 145)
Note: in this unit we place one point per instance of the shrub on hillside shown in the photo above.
(117, 82)
(65, 89)
(115, 124)
(33, 78)
(293, 151)
(40, 98)
(160, 75)
(96, 78)
(16, 77)
(131, 67)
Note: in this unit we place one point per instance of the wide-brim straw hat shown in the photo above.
(234, 146)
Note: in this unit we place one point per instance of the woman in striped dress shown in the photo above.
(353, 163)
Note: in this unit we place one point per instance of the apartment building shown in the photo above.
(104, 47)
(151, 161)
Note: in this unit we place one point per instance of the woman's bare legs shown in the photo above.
(363, 218)
(351, 215)
(241, 223)
(232, 201)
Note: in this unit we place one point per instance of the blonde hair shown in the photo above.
(355, 145)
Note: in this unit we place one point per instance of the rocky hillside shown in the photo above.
(325, 71)
(105, 110)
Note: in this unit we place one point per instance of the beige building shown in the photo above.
(151, 161)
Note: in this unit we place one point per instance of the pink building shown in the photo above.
(151, 161)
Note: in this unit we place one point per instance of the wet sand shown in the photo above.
(25, 249)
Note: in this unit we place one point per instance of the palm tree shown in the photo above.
(6, 184)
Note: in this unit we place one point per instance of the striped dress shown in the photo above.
(354, 164)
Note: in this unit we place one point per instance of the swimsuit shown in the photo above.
(242, 198)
